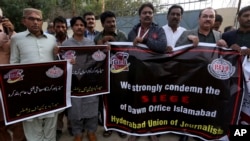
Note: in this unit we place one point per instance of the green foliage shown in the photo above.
(13, 9)
(94, 6)
(125, 8)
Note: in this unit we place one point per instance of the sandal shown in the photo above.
(107, 133)
(122, 135)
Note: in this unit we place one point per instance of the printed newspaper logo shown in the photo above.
(14, 75)
(54, 72)
(239, 132)
(119, 62)
(221, 69)
(98, 56)
(68, 55)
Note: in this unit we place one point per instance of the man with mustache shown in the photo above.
(172, 30)
(235, 40)
(110, 33)
(90, 31)
(60, 28)
(240, 37)
(147, 32)
(204, 33)
(83, 115)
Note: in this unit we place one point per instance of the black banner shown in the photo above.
(32, 90)
(194, 91)
(90, 74)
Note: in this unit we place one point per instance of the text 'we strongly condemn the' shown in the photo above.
(159, 88)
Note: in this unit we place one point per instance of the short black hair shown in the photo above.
(60, 19)
(74, 19)
(147, 4)
(106, 14)
(244, 9)
(87, 14)
(175, 6)
(228, 28)
(218, 18)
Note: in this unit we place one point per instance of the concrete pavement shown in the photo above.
(115, 137)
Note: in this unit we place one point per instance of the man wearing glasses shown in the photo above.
(204, 33)
(33, 46)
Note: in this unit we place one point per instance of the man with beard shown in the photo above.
(240, 37)
(110, 33)
(235, 40)
(83, 115)
(60, 28)
(172, 30)
(148, 33)
(204, 33)
(90, 31)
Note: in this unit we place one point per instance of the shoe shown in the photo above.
(154, 138)
(70, 131)
(107, 133)
(78, 138)
(132, 138)
(183, 138)
(122, 135)
(58, 134)
(91, 136)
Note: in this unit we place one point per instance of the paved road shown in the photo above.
(114, 137)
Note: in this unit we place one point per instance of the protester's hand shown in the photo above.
(56, 50)
(6, 23)
(109, 47)
(245, 51)
(108, 39)
(221, 43)
(194, 39)
(235, 47)
(72, 61)
(169, 49)
(137, 40)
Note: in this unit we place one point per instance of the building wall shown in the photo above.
(189, 21)
(229, 16)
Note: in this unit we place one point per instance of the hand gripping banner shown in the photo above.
(194, 91)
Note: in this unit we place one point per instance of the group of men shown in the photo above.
(34, 45)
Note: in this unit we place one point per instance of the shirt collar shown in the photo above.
(28, 33)
(89, 33)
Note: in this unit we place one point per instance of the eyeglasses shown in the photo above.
(34, 19)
